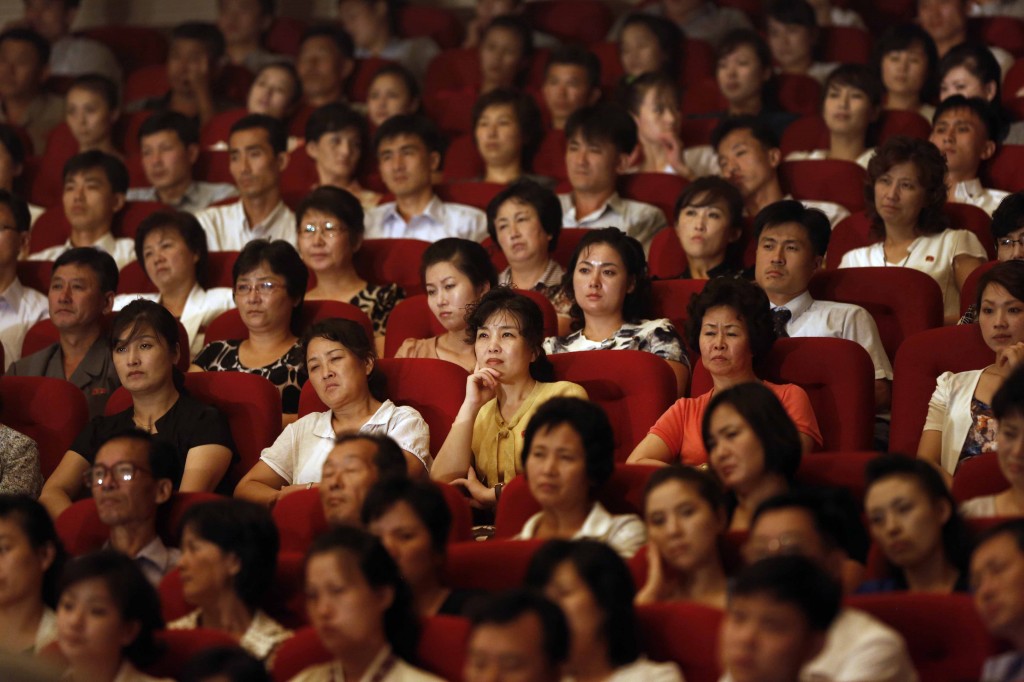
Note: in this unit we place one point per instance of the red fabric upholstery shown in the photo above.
(841, 182)
(798, 93)
(658, 189)
(945, 637)
(910, 123)
(81, 530)
(219, 127)
(151, 81)
(303, 650)
(969, 217)
(920, 360)
(48, 178)
(462, 160)
(978, 476)
(52, 227)
(969, 294)
(838, 377)
(1001, 171)
(805, 134)
(490, 566)
(285, 35)
(358, 85)
(568, 239)
(917, 307)
(667, 259)
(633, 387)
(476, 194)
(550, 157)
(671, 297)
(133, 278)
(684, 632)
(134, 46)
(35, 274)
(228, 325)
(836, 469)
(213, 166)
(179, 646)
(622, 494)
(435, 388)
(1004, 32)
(382, 261)
(27, 405)
(436, 23)
(572, 21)
(845, 44)
(127, 131)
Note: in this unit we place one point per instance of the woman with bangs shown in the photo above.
(650, 44)
(393, 91)
(513, 378)
(709, 224)
(335, 139)
(144, 343)
(905, 58)
(507, 131)
(970, 69)
(851, 103)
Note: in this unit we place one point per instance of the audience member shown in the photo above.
(654, 101)
(21, 306)
(373, 25)
(650, 44)
(393, 91)
(276, 91)
(513, 377)
(243, 23)
(506, 47)
(793, 38)
(355, 463)
(906, 58)
(91, 108)
(1008, 233)
(455, 274)
(325, 61)
(965, 131)
(946, 22)
(81, 291)
(970, 70)
(144, 346)
(709, 227)
(906, 193)
(70, 54)
(745, 79)
(409, 151)
(12, 165)
(335, 139)
(1008, 410)
(730, 323)
(997, 580)
(705, 20)
(24, 58)
(19, 464)
(572, 80)
(507, 130)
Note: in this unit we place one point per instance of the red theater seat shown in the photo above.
(489, 566)
(35, 274)
(836, 469)
(969, 294)
(134, 46)
(845, 44)
(229, 326)
(978, 476)
(683, 632)
(285, 36)
(804, 135)
(798, 93)
(657, 189)
(218, 128)
(383, 261)
(27, 405)
(437, 23)
(177, 647)
(571, 21)
(52, 227)
(667, 259)
(1003, 170)
(841, 182)
(475, 194)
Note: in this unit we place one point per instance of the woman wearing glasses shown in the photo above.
(145, 349)
(330, 224)
(270, 285)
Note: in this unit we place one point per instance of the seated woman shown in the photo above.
(567, 457)
(610, 294)
(275, 91)
(484, 449)
(1008, 409)
(393, 91)
(686, 518)
(228, 557)
(269, 287)
(507, 130)
(960, 422)
(171, 246)
(851, 103)
(730, 323)
(361, 610)
(107, 617)
(650, 44)
(970, 69)
(30, 542)
(906, 195)
(594, 589)
(340, 362)
(753, 447)
(914, 523)
(906, 58)
(335, 138)
(19, 464)
(709, 224)
(91, 108)
(455, 274)
(144, 343)
(413, 520)
(330, 224)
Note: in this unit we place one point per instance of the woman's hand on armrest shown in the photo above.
(652, 450)
(262, 485)
(64, 485)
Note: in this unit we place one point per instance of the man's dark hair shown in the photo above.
(185, 127)
(576, 55)
(18, 208)
(793, 580)
(160, 453)
(202, 32)
(814, 222)
(389, 460)
(100, 262)
(505, 607)
(981, 108)
(277, 136)
(27, 35)
(335, 34)
(416, 125)
(604, 122)
(335, 117)
(761, 132)
(112, 167)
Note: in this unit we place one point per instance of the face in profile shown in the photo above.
(449, 291)
(22, 566)
(997, 581)
(348, 473)
(683, 525)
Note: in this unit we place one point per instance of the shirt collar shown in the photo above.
(271, 218)
(107, 243)
(13, 294)
(971, 189)
(798, 306)
(614, 203)
(157, 554)
(434, 210)
(597, 524)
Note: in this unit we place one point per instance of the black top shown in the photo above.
(188, 424)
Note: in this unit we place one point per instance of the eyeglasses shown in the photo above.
(263, 288)
(122, 472)
(1009, 243)
(328, 231)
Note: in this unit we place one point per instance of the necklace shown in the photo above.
(885, 258)
(143, 424)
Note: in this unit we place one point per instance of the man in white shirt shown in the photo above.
(95, 184)
(325, 61)
(169, 141)
(516, 636)
(965, 131)
(599, 141)
(858, 647)
(20, 307)
(408, 151)
(70, 55)
(749, 158)
(791, 243)
(997, 578)
(257, 146)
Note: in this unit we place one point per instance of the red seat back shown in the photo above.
(571, 21)
(383, 261)
(43, 333)
(177, 647)
(134, 46)
(683, 632)
(475, 194)
(462, 160)
(845, 44)
(671, 297)
(977, 476)
(841, 182)
(657, 189)
(1001, 31)
(836, 469)
(852, 232)
(798, 93)
(550, 157)
(229, 326)
(895, 122)
(218, 128)
(1001, 171)
(285, 35)
(35, 274)
(27, 406)
(439, 24)
(667, 259)
(52, 227)
(490, 566)
(358, 86)
(920, 360)
(969, 293)
(974, 219)
(804, 135)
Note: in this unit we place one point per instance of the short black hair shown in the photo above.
(424, 498)
(527, 314)
(509, 606)
(706, 485)
(185, 127)
(468, 257)
(100, 85)
(576, 55)
(403, 74)
(638, 302)
(160, 453)
(670, 38)
(902, 37)
(224, 662)
(202, 32)
(334, 117)
(833, 512)
(187, 227)
(11, 141)
(814, 222)
(389, 460)
(277, 135)
(603, 122)
(543, 200)
(1008, 274)
(339, 203)
(283, 260)
(590, 423)
(708, 190)
(978, 60)
(858, 76)
(1008, 216)
(757, 127)
(35, 523)
(100, 262)
(27, 35)
(981, 108)
(793, 580)
(112, 167)
(334, 33)
(526, 111)
(18, 208)
(1009, 399)
(1013, 527)
(130, 321)
(748, 301)
(352, 336)
(793, 13)
(744, 37)
(416, 125)
(931, 175)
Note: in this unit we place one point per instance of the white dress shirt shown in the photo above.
(635, 218)
(228, 229)
(439, 220)
(20, 308)
(971, 192)
(625, 533)
(198, 196)
(201, 307)
(123, 250)
(822, 155)
(833, 211)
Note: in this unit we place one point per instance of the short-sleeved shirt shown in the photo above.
(228, 228)
(377, 302)
(188, 424)
(680, 426)
(650, 336)
(439, 219)
(288, 372)
(121, 250)
(95, 374)
(635, 218)
(198, 196)
(20, 308)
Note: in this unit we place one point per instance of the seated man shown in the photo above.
(858, 646)
(705, 20)
(82, 290)
(749, 156)
(997, 580)
(600, 139)
(94, 187)
(572, 80)
(326, 60)
(20, 307)
(516, 635)
(257, 149)
(966, 131)
(129, 480)
(946, 22)
(70, 55)
(357, 461)
(408, 149)
(793, 37)
(243, 24)
(372, 23)
(12, 163)
(170, 146)
(1008, 233)
(777, 618)
(791, 243)
(24, 55)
